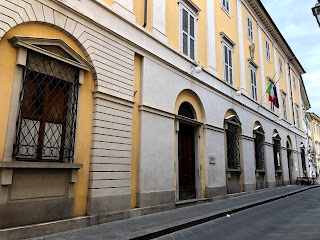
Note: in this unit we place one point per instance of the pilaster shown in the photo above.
(262, 74)
(243, 85)
(212, 58)
(159, 19)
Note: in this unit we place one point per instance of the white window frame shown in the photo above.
(268, 54)
(230, 68)
(284, 105)
(280, 66)
(249, 28)
(297, 116)
(224, 5)
(253, 83)
(294, 83)
(184, 5)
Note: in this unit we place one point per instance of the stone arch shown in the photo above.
(190, 97)
(233, 116)
(275, 134)
(257, 126)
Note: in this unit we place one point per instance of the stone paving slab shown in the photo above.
(159, 224)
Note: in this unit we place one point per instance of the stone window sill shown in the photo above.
(233, 170)
(6, 169)
(39, 165)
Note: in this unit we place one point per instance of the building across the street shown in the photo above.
(315, 141)
(117, 108)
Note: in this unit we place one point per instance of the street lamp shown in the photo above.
(316, 11)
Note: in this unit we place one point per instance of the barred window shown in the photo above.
(233, 143)
(259, 149)
(276, 152)
(46, 122)
(303, 159)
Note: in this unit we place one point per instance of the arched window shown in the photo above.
(258, 146)
(186, 110)
(276, 151)
(232, 128)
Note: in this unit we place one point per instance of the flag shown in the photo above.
(273, 96)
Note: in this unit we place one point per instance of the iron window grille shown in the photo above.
(276, 153)
(233, 145)
(259, 149)
(303, 159)
(46, 123)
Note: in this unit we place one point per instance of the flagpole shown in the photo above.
(266, 92)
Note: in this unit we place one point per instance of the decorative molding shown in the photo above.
(188, 120)
(246, 138)
(39, 165)
(144, 108)
(213, 128)
(226, 39)
(252, 64)
(33, 43)
(191, 6)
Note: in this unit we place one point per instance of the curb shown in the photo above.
(156, 232)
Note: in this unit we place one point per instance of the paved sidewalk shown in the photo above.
(159, 224)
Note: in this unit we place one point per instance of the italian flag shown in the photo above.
(273, 97)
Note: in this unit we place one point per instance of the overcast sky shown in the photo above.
(299, 27)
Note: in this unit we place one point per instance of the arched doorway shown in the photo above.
(290, 161)
(186, 152)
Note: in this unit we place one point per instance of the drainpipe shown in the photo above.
(145, 13)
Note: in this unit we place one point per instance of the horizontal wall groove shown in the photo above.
(111, 42)
(116, 54)
(108, 107)
(129, 66)
(112, 115)
(111, 135)
(104, 64)
(129, 125)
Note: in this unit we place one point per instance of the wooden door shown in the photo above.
(186, 156)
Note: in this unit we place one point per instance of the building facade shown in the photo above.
(315, 139)
(105, 111)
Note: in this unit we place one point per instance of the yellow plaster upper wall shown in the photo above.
(109, 1)
(173, 29)
(247, 43)
(138, 9)
(228, 25)
(85, 103)
(172, 23)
